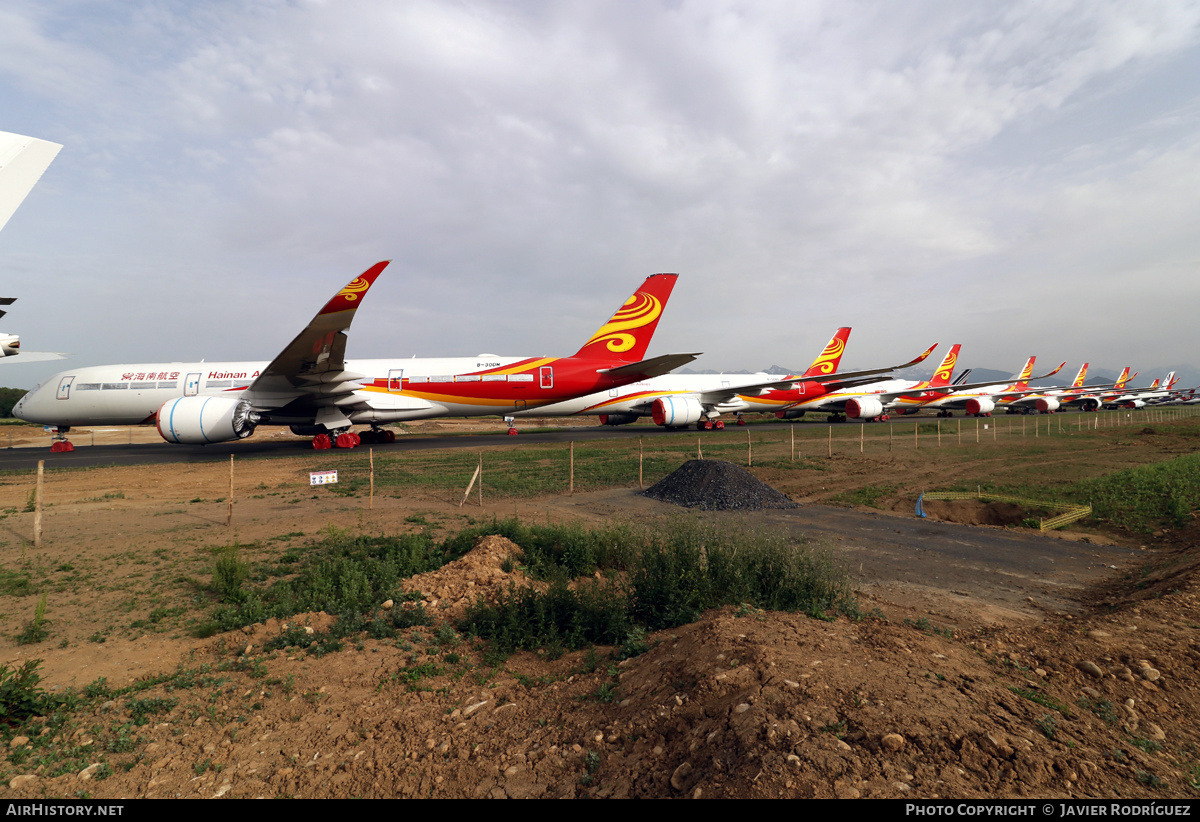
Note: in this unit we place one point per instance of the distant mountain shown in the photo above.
(1188, 376)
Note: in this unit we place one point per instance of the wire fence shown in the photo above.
(520, 470)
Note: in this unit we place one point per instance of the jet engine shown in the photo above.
(1047, 405)
(674, 412)
(790, 413)
(201, 420)
(980, 406)
(867, 408)
(618, 419)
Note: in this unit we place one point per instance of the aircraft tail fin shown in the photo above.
(1080, 377)
(945, 371)
(627, 334)
(831, 357)
(22, 161)
(1022, 378)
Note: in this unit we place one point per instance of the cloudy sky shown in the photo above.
(1023, 178)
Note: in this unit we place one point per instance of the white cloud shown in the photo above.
(801, 164)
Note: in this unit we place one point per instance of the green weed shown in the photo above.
(36, 630)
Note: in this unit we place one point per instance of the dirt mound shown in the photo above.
(454, 587)
(715, 485)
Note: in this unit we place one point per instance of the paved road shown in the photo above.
(89, 456)
(944, 568)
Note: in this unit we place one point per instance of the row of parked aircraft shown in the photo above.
(314, 390)
(311, 388)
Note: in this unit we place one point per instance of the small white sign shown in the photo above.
(985, 426)
(322, 477)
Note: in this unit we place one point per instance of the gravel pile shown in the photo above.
(715, 485)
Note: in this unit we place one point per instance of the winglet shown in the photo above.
(321, 346)
(347, 299)
(830, 358)
(921, 358)
(627, 334)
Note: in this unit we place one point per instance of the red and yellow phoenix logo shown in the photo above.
(356, 287)
(947, 368)
(827, 362)
(639, 310)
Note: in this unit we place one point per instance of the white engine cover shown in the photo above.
(867, 408)
(201, 420)
(980, 405)
(677, 411)
(1047, 404)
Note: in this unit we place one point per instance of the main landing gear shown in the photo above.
(512, 426)
(350, 439)
(709, 425)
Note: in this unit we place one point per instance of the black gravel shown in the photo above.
(715, 485)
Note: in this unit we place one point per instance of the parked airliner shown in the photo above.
(312, 388)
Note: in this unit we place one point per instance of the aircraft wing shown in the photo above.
(834, 382)
(30, 356)
(22, 162)
(835, 379)
(312, 367)
(954, 389)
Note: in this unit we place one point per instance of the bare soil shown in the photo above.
(1086, 686)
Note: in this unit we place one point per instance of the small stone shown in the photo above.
(891, 742)
(680, 777)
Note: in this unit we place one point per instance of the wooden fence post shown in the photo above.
(229, 509)
(37, 506)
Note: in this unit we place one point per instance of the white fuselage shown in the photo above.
(636, 398)
(394, 390)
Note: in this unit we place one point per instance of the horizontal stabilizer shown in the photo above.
(653, 367)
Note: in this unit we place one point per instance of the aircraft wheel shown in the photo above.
(512, 432)
(347, 440)
(389, 435)
(720, 425)
(740, 422)
(321, 442)
(59, 446)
